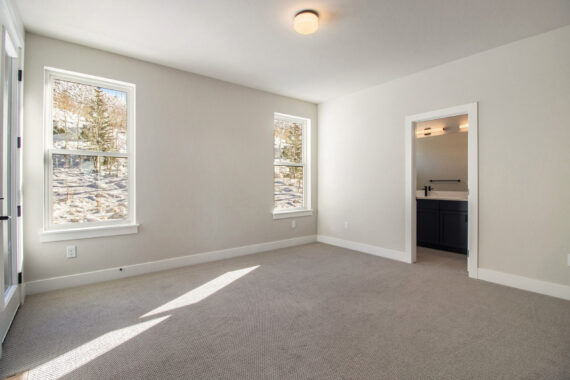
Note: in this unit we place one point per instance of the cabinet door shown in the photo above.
(453, 230)
(428, 227)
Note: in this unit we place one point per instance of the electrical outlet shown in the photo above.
(346, 225)
(71, 252)
(294, 224)
(569, 259)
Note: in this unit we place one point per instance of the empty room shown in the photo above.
(285, 189)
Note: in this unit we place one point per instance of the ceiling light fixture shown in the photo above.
(306, 22)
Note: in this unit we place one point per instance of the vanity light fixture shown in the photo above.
(306, 21)
(429, 130)
(438, 131)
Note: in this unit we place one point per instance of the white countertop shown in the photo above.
(443, 195)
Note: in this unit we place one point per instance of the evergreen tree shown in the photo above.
(98, 130)
(295, 151)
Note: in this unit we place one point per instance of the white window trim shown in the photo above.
(88, 232)
(88, 229)
(292, 214)
(306, 209)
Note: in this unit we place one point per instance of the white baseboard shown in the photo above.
(40, 286)
(365, 248)
(511, 280)
(525, 283)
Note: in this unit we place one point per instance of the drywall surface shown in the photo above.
(523, 90)
(442, 157)
(204, 166)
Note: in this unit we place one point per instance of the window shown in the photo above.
(89, 155)
(290, 169)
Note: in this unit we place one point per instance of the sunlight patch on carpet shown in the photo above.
(201, 292)
(71, 360)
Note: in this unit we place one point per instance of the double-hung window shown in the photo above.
(290, 166)
(89, 156)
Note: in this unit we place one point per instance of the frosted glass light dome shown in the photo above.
(306, 22)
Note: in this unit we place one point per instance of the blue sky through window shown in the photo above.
(119, 94)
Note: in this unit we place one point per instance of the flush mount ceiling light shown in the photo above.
(306, 22)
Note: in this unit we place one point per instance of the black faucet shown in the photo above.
(427, 189)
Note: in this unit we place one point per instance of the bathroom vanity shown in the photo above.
(442, 221)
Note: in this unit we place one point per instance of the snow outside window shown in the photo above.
(289, 163)
(89, 151)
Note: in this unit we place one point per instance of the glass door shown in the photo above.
(9, 190)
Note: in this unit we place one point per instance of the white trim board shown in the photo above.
(365, 248)
(89, 232)
(525, 283)
(501, 278)
(54, 283)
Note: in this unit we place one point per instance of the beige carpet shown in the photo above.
(308, 312)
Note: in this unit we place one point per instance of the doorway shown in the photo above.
(467, 212)
(10, 189)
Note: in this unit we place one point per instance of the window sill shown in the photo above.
(89, 232)
(291, 214)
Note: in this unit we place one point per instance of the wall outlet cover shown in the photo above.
(294, 224)
(71, 252)
(346, 225)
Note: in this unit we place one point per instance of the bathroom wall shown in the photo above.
(442, 157)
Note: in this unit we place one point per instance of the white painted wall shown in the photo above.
(523, 90)
(442, 157)
(196, 190)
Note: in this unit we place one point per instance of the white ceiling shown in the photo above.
(360, 43)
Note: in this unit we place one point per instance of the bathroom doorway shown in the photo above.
(441, 191)
(441, 186)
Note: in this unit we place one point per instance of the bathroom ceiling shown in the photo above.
(359, 43)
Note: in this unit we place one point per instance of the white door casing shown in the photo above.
(471, 110)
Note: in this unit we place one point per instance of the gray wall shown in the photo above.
(442, 157)
(523, 90)
(204, 163)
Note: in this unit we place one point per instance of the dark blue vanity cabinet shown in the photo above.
(442, 224)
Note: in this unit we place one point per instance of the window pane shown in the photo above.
(288, 187)
(89, 188)
(287, 141)
(88, 117)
